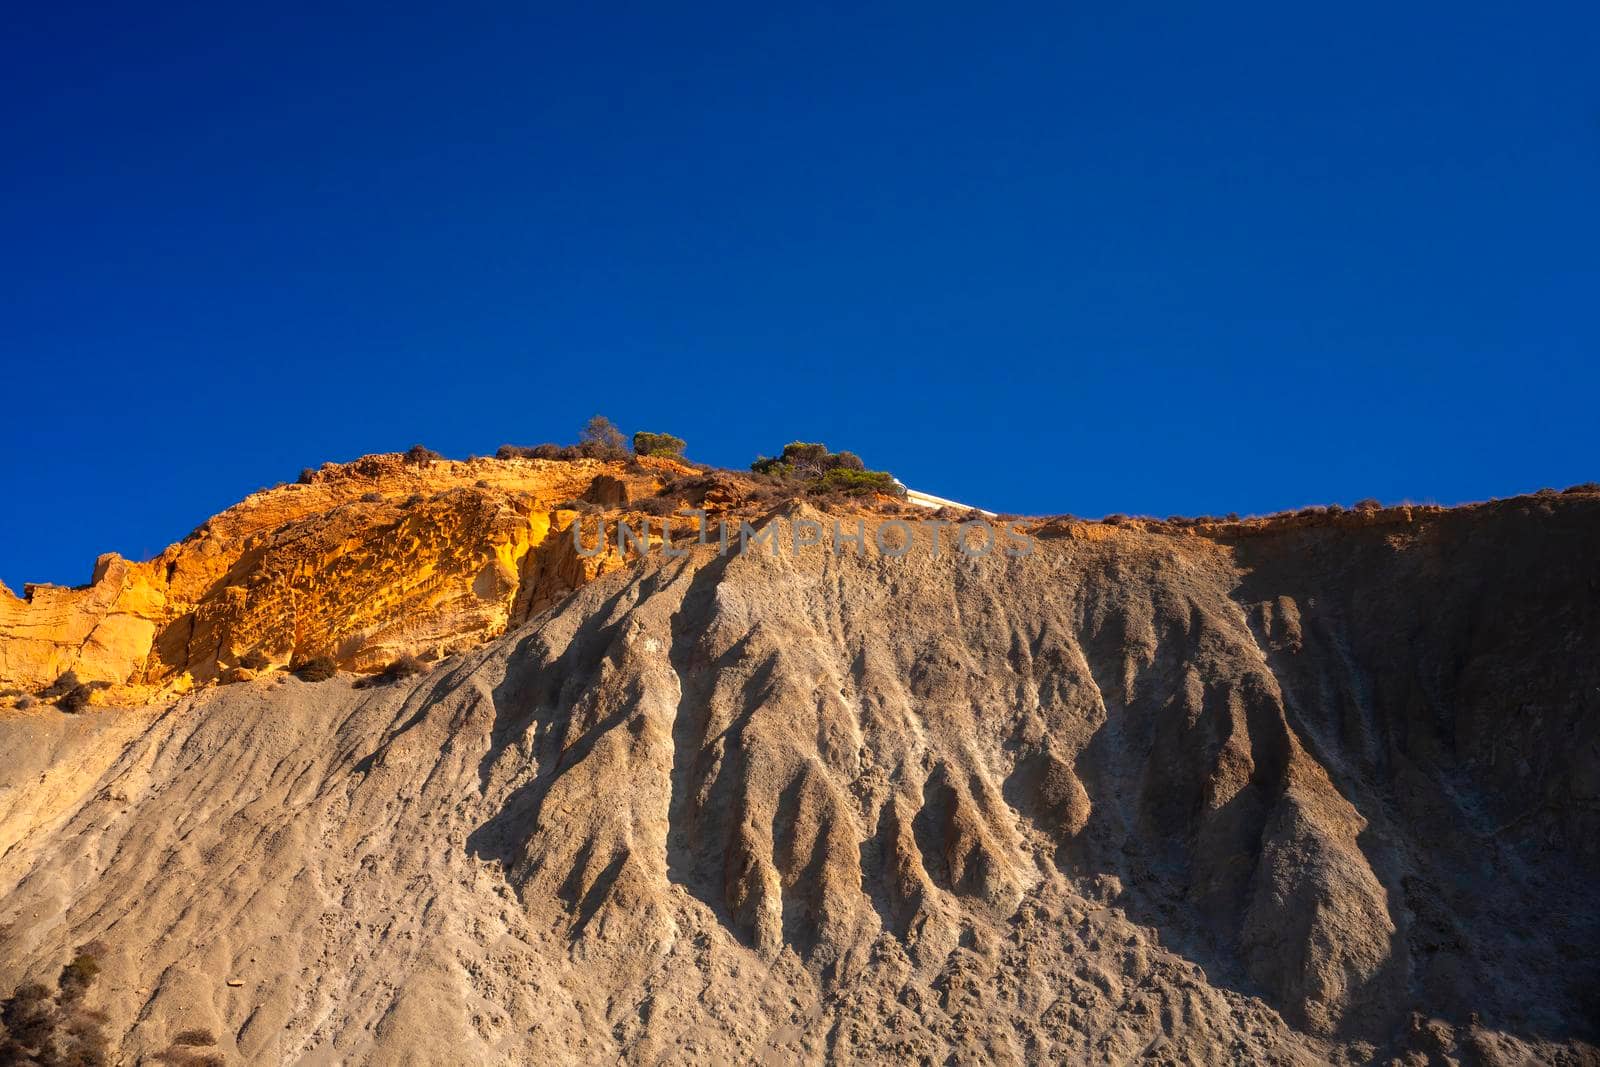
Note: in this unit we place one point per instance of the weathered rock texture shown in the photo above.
(1290, 792)
(365, 562)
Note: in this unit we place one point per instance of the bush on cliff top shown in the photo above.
(658, 444)
(811, 466)
(599, 439)
(546, 451)
(859, 483)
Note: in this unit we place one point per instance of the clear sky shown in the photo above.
(1065, 257)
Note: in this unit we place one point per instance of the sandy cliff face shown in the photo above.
(364, 562)
(104, 629)
(1289, 792)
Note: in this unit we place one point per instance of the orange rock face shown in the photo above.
(363, 561)
(102, 630)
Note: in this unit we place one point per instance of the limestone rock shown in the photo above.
(365, 562)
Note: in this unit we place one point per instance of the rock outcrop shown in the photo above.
(364, 561)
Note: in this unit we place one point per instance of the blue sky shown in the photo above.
(1083, 258)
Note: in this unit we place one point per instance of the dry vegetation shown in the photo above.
(40, 1028)
(314, 668)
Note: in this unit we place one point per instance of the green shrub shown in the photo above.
(421, 455)
(313, 668)
(848, 461)
(658, 444)
(818, 470)
(799, 459)
(858, 482)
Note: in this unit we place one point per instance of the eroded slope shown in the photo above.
(1135, 796)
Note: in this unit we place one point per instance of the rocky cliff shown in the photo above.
(363, 561)
(1313, 789)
